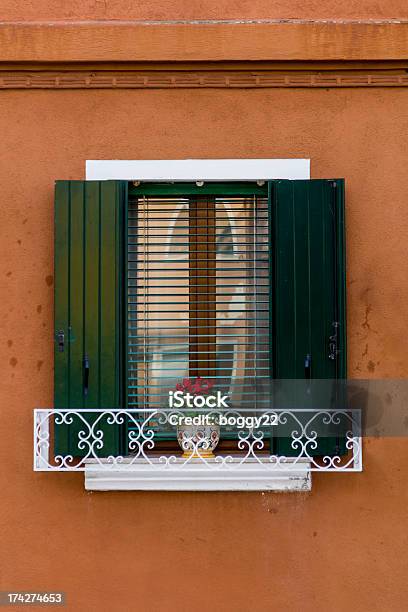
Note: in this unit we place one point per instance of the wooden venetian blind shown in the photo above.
(198, 294)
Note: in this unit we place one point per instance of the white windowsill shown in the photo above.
(253, 475)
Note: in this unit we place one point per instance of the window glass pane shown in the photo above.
(198, 296)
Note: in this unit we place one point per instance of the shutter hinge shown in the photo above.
(61, 340)
(308, 367)
(333, 341)
(86, 374)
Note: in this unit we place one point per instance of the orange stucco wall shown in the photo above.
(197, 9)
(343, 545)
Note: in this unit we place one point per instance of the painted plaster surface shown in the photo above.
(342, 545)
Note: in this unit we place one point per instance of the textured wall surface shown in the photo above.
(198, 9)
(343, 545)
(113, 41)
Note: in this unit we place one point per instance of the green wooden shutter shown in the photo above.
(308, 292)
(89, 260)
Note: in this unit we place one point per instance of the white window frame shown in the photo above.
(250, 477)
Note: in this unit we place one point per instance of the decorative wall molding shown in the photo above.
(238, 79)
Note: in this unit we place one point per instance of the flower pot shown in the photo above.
(198, 441)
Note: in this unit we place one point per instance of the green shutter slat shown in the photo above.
(308, 289)
(341, 275)
(283, 227)
(61, 301)
(109, 296)
(88, 270)
(110, 302)
(75, 304)
(321, 285)
(301, 282)
(92, 291)
(76, 294)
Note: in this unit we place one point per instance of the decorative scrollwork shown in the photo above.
(138, 429)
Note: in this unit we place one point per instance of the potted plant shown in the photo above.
(198, 431)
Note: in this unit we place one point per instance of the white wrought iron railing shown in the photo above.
(141, 432)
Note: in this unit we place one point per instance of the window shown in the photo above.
(236, 282)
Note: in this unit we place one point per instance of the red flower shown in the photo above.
(199, 386)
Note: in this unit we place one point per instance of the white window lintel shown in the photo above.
(197, 169)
